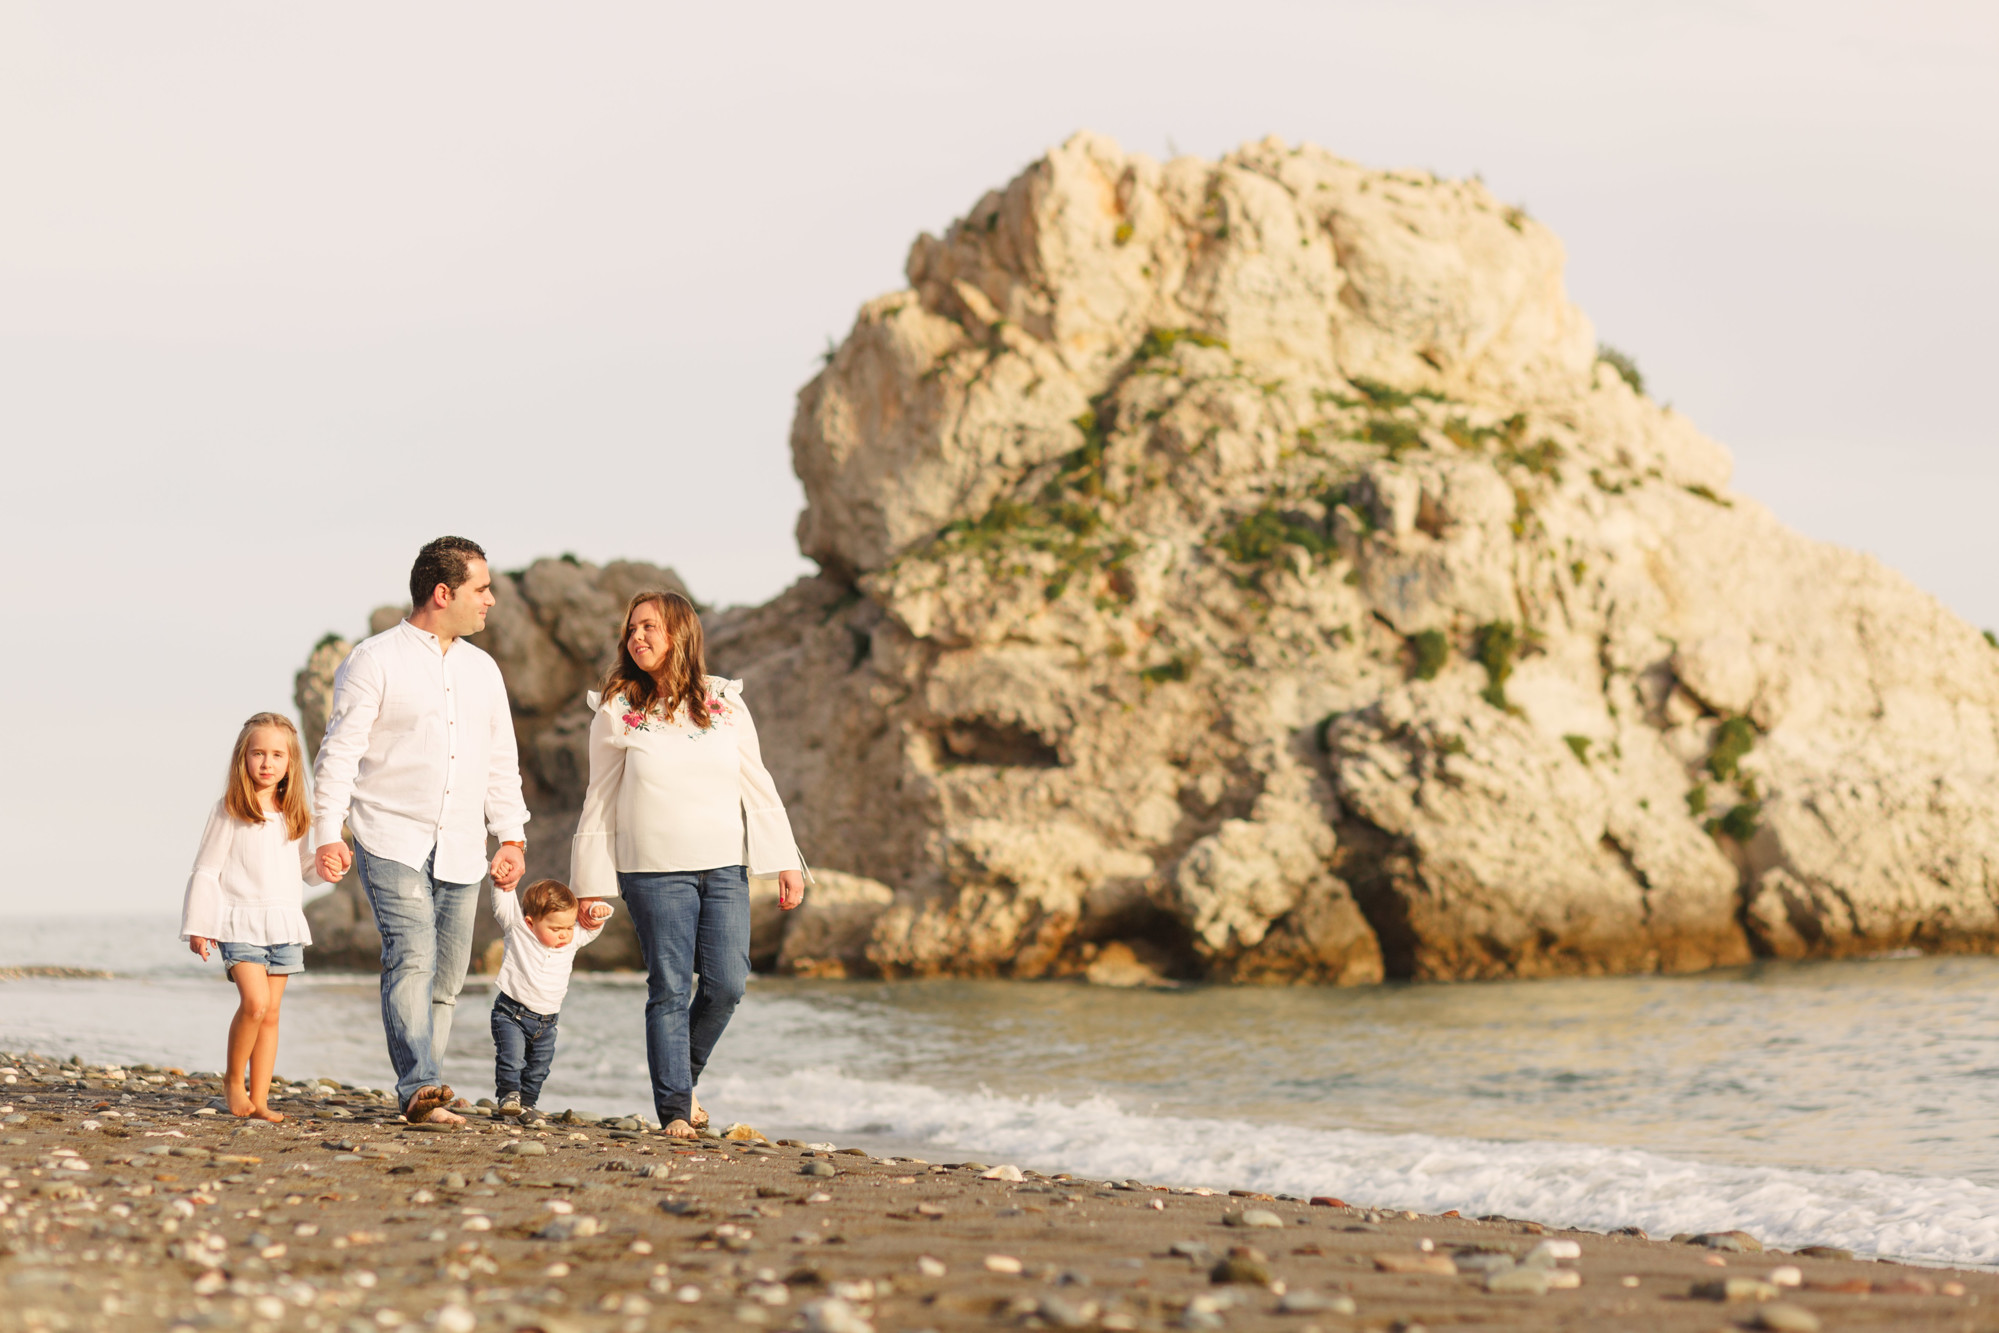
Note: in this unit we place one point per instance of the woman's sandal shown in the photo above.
(425, 1100)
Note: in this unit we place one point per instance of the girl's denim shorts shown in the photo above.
(279, 960)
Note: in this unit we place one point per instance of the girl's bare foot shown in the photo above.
(240, 1104)
(699, 1116)
(680, 1129)
(266, 1113)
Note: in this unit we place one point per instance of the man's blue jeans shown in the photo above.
(523, 1048)
(688, 921)
(426, 926)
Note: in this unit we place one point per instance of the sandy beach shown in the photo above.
(129, 1204)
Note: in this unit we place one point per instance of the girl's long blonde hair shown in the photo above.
(683, 677)
(239, 797)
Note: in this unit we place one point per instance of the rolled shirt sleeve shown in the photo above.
(593, 853)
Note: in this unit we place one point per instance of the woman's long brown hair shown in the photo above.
(239, 798)
(683, 677)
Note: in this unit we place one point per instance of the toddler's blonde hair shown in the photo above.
(239, 797)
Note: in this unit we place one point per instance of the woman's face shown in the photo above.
(645, 638)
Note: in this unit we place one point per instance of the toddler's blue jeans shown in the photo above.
(523, 1049)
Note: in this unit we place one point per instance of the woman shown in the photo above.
(680, 814)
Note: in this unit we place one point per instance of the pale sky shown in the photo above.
(287, 290)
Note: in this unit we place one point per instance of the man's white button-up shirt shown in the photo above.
(419, 755)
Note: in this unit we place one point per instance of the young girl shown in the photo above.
(247, 894)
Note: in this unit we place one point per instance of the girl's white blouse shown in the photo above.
(248, 885)
(667, 795)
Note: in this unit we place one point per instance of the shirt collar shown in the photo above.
(426, 638)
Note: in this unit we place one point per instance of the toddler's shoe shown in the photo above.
(510, 1106)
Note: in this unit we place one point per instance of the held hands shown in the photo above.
(790, 889)
(334, 862)
(197, 945)
(508, 867)
(595, 912)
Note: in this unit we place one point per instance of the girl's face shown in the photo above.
(646, 640)
(268, 758)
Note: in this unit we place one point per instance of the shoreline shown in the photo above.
(342, 1218)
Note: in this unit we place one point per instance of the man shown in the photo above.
(419, 762)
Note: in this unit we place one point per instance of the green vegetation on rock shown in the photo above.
(1733, 740)
(1626, 368)
(1497, 646)
(1432, 649)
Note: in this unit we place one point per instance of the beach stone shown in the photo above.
(525, 1148)
(1731, 1242)
(1059, 1312)
(834, 1315)
(1483, 1261)
(1550, 1252)
(1785, 1276)
(1518, 1282)
(1315, 1302)
(1785, 1318)
(1002, 1263)
(1825, 1252)
(1253, 1218)
(1404, 1261)
(1734, 1289)
(818, 1168)
(1244, 1264)
(1008, 1173)
(572, 1227)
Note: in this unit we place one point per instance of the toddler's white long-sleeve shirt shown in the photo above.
(667, 795)
(531, 972)
(248, 885)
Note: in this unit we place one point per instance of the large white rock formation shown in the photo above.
(1248, 569)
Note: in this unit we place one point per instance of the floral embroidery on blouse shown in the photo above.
(719, 711)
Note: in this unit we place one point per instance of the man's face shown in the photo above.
(465, 612)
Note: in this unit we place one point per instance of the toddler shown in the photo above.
(542, 937)
(247, 895)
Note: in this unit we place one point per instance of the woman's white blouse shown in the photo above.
(248, 885)
(667, 795)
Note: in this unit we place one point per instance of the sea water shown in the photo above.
(1852, 1104)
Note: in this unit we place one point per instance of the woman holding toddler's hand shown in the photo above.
(680, 814)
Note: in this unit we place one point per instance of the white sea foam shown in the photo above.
(1870, 1212)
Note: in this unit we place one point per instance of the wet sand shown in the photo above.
(125, 1207)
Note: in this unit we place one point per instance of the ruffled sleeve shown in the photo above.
(201, 907)
(593, 861)
(768, 845)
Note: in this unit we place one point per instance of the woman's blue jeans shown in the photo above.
(689, 922)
